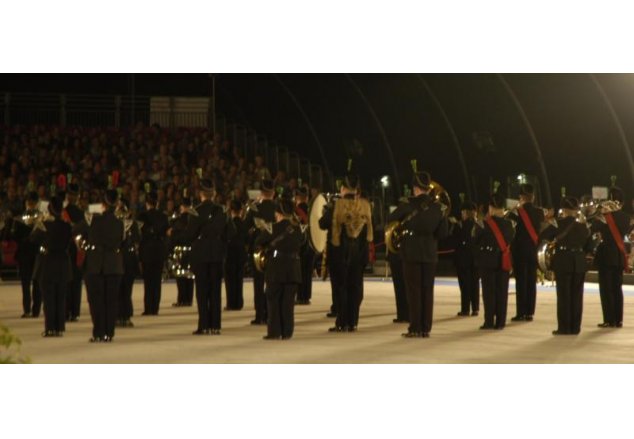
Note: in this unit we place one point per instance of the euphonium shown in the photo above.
(394, 230)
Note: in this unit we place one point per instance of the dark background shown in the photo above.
(577, 135)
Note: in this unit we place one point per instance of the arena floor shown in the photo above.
(167, 338)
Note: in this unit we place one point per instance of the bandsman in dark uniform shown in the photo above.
(236, 259)
(351, 233)
(424, 223)
(26, 254)
(54, 270)
(129, 249)
(610, 258)
(104, 268)
(184, 284)
(570, 239)
(325, 223)
(492, 239)
(464, 260)
(207, 235)
(75, 216)
(307, 255)
(528, 220)
(153, 251)
(283, 270)
(260, 216)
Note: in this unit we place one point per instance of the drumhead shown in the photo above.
(317, 237)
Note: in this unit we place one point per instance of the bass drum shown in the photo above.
(317, 238)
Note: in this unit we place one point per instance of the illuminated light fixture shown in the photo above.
(385, 181)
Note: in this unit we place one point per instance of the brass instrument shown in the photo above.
(260, 259)
(177, 266)
(395, 230)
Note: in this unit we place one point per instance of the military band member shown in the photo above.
(236, 259)
(153, 251)
(54, 268)
(351, 233)
(611, 259)
(184, 285)
(206, 233)
(75, 216)
(492, 239)
(396, 269)
(304, 293)
(464, 260)
(129, 249)
(26, 254)
(283, 270)
(261, 214)
(528, 219)
(104, 268)
(325, 223)
(424, 223)
(570, 240)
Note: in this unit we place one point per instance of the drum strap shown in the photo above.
(504, 247)
(618, 239)
(528, 224)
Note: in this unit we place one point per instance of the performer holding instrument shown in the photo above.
(283, 270)
(260, 216)
(324, 223)
(422, 222)
(529, 221)
(464, 260)
(612, 224)
(568, 240)
(129, 249)
(492, 239)
(351, 233)
(236, 259)
(304, 293)
(181, 254)
(75, 216)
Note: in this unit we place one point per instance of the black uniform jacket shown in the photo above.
(608, 254)
(422, 230)
(523, 244)
(265, 212)
(54, 263)
(27, 249)
(130, 250)
(282, 248)
(488, 253)
(572, 244)
(238, 243)
(105, 236)
(463, 240)
(76, 216)
(153, 234)
(207, 233)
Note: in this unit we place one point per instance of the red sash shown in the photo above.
(303, 217)
(506, 249)
(528, 224)
(609, 219)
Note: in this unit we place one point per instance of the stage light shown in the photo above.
(385, 181)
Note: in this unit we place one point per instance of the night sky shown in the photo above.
(579, 140)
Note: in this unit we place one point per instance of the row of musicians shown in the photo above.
(488, 251)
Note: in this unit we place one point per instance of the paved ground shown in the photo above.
(167, 338)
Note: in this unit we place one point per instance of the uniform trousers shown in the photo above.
(208, 294)
(259, 299)
(31, 293)
(495, 296)
(400, 293)
(234, 280)
(73, 298)
(419, 284)
(525, 272)
(280, 298)
(185, 291)
(469, 282)
(152, 273)
(54, 305)
(569, 301)
(124, 302)
(348, 276)
(103, 292)
(305, 291)
(611, 292)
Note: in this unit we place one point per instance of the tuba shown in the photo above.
(395, 230)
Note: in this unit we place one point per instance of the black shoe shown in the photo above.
(498, 327)
(201, 332)
(425, 334)
(48, 333)
(271, 337)
(463, 314)
(410, 334)
(286, 337)
(528, 318)
(352, 329)
(558, 332)
(399, 321)
(331, 315)
(96, 339)
(474, 314)
(129, 324)
(337, 329)
(26, 315)
(73, 319)
(59, 333)
(485, 327)
(258, 322)
(177, 304)
(108, 339)
(518, 319)
(214, 331)
(145, 313)
(619, 324)
(605, 325)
